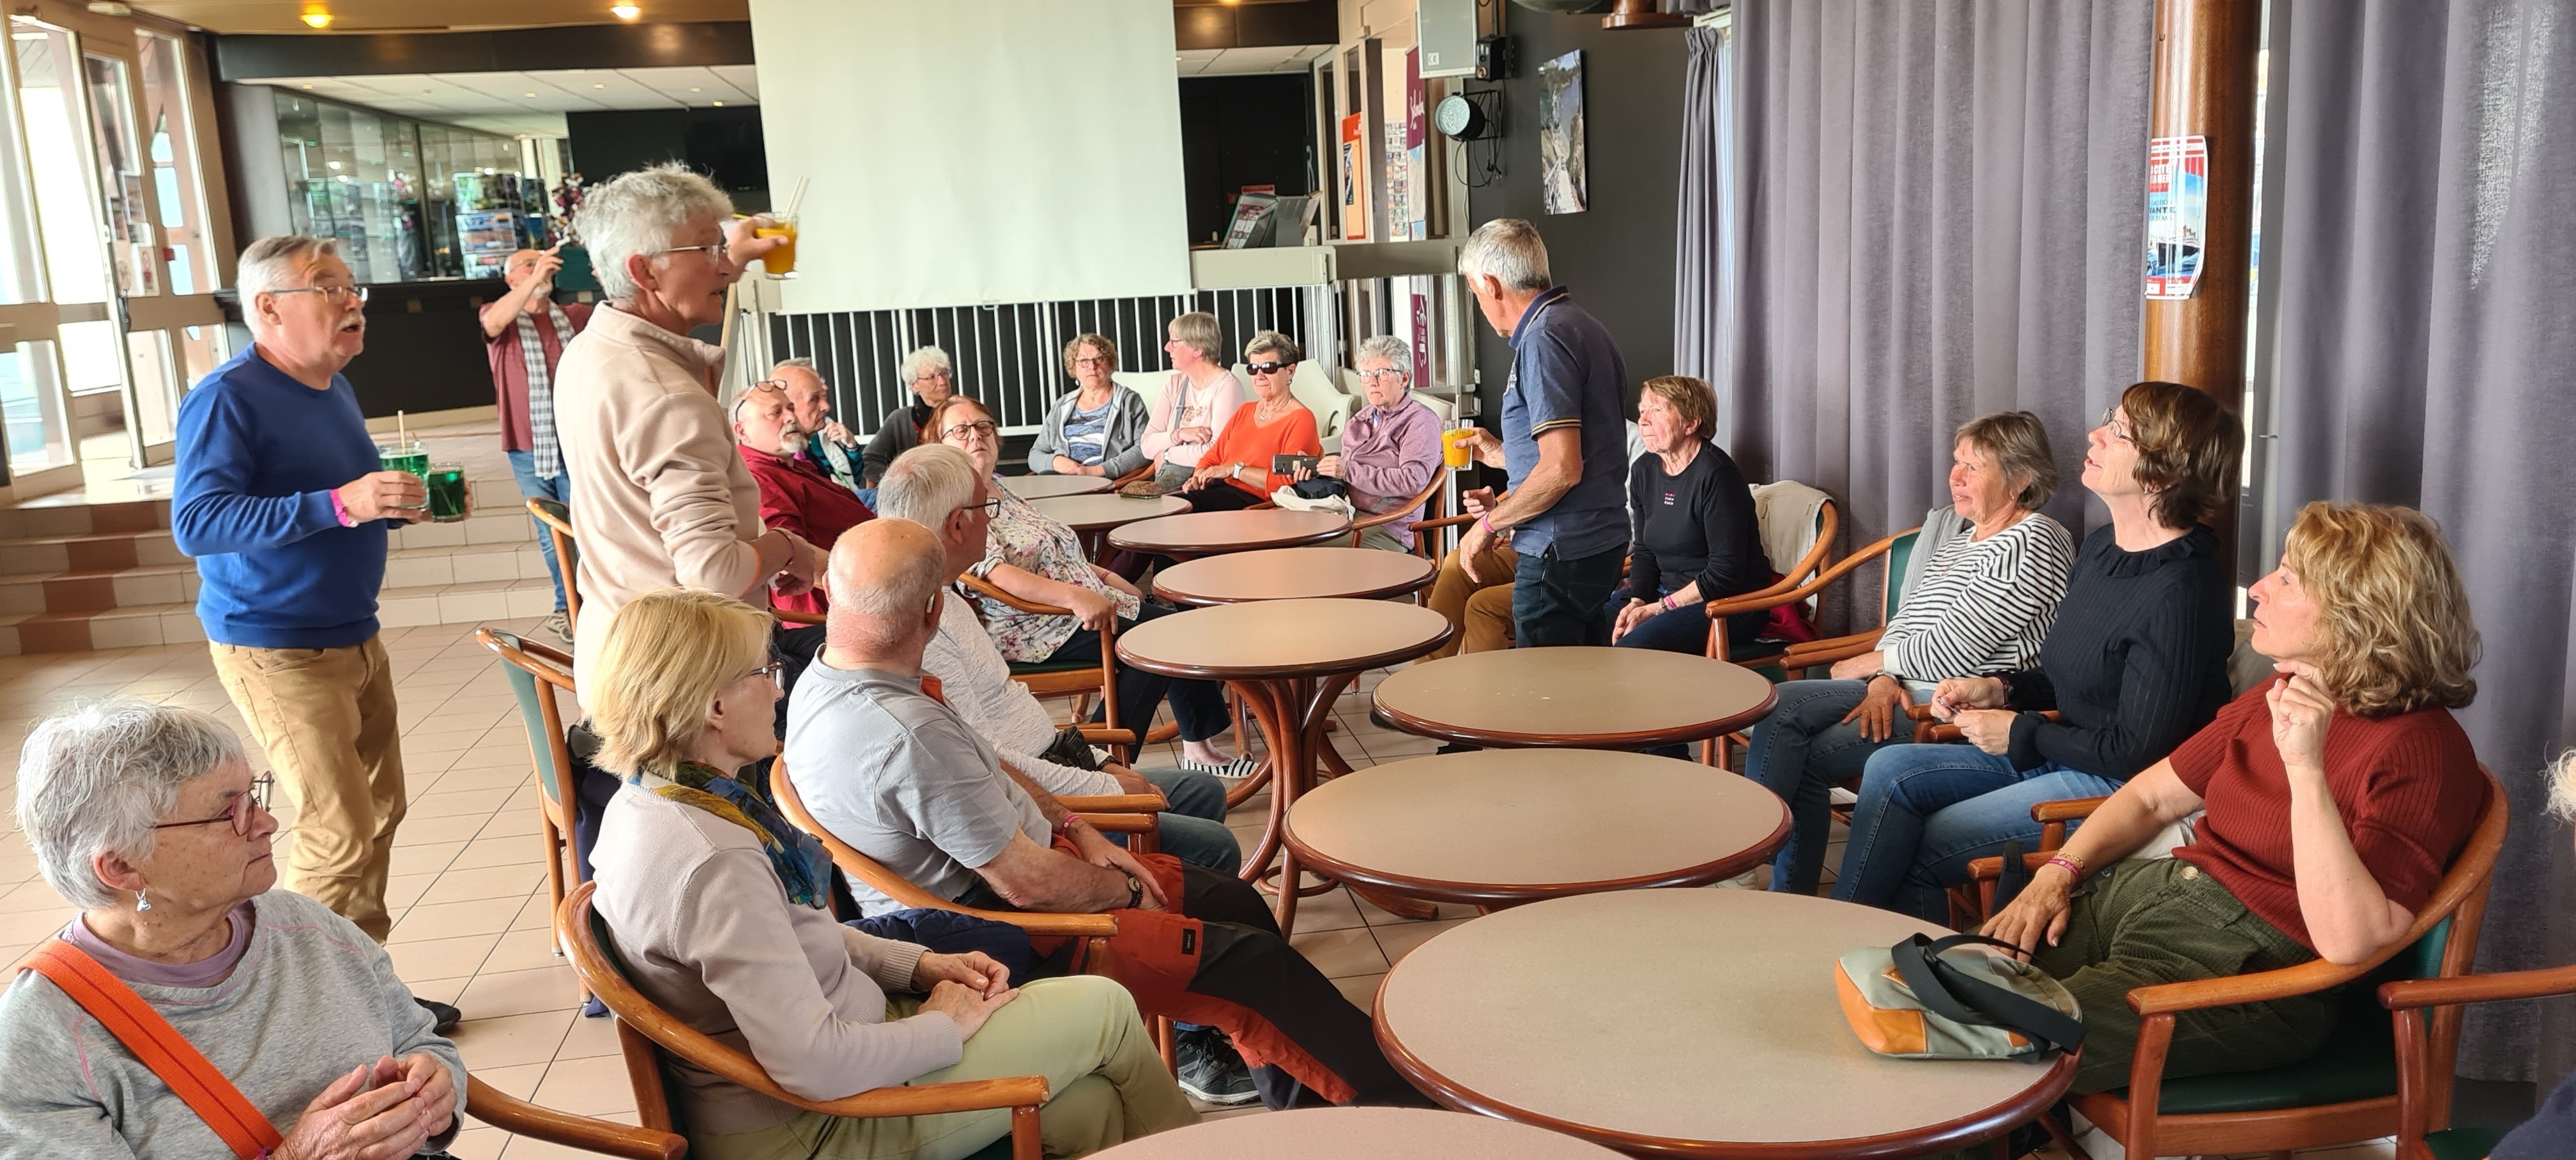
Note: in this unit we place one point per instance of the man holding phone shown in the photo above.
(524, 333)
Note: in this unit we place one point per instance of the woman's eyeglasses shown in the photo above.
(770, 670)
(255, 798)
(2119, 430)
(964, 431)
(1088, 361)
(335, 295)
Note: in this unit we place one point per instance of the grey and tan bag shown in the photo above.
(1915, 1001)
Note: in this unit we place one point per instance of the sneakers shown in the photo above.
(1231, 772)
(560, 625)
(1210, 1070)
(445, 1016)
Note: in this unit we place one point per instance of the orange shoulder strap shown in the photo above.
(159, 1045)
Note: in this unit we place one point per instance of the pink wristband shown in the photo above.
(2072, 866)
(340, 512)
(1486, 522)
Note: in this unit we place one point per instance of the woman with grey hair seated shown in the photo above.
(1391, 448)
(932, 375)
(148, 819)
(659, 495)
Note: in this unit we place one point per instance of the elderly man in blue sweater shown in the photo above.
(281, 500)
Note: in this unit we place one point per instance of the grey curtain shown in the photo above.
(1702, 240)
(2426, 263)
(1940, 213)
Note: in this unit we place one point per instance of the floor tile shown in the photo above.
(491, 996)
(511, 1040)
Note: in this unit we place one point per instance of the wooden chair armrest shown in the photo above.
(1117, 803)
(1442, 522)
(1939, 734)
(1104, 735)
(2306, 978)
(1790, 591)
(1809, 654)
(1990, 869)
(519, 1117)
(1121, 823)
(790, 616)
(2068, 810)
(2411, 993)
(937, 1098)
(1139, 475)
(989, 591)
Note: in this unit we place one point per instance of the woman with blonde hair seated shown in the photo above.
(722, 912)
(2338, 793)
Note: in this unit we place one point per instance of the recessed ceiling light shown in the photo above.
(318, 19)
(625, 11)
(531, 94)
(308, 86)
(693, 90)
(598, 86)
(719, 104)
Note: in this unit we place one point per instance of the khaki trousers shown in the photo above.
(326, 718)
(1481, 610)
(1105, 1085)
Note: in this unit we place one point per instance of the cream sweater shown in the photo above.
(660, 498)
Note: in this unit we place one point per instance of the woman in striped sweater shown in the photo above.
(1984, 602)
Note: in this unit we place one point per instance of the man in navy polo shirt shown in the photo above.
(1563, 444)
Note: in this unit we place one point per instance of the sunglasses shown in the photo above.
(1268, 368)
(239, 813)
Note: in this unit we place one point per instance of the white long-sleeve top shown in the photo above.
(1187, 404)
(976, 682)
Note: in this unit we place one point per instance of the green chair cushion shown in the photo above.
(524, 687)
(2358, 1062)
(2464, 1143)
(997, 1150)
(1898, 554)
(1042, 668)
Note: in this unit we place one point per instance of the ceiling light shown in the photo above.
(318, 19)
(531, 94)
(625, 11)
(598, 86)
(719, 104)
(308, 86)
(111, 8)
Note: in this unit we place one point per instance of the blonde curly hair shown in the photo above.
(2392, 609)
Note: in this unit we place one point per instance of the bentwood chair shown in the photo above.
(2425, 1058)
(2350, 1089)
(649, 1037)
(518, 1117)
(1080, 680)
(536, 674)
(558, 521)
(1412, 508)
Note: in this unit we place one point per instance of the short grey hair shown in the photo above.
(96, 779)
(920, 362)
(1271, 340)
(639, 213)
(2562, 787)
(1508, 250)
(278, 262)
(2018, 443)
(926, 483)
(1394, 350)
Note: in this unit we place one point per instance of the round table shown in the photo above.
(1048, 486)
(1590, 698)
(1500, 827)
(1188, 537)
(1685, 1022)
(1286, 661)
(1324, 1133)
(1091, 516)
(1294, 574)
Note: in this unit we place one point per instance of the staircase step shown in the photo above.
(87, 552)
(467, 564)
(67, 516)
(98, 590)
(177, 623)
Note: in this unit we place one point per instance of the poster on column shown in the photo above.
(2177, 213)
(1355, 212)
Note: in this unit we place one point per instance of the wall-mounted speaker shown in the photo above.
(1446, 30)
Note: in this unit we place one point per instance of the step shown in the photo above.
(67, 516)
(98, 590)
(176, 623)
(87, 552)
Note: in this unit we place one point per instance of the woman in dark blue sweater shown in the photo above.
(1692, 533)
(2136, 663)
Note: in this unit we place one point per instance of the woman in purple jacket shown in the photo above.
(1391, 448)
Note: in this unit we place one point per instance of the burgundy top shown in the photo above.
(205, 972)
(796, 496)
(510, 371)
(2407, 787)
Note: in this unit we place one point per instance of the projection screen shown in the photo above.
(969, 152)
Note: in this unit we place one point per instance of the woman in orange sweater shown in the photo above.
(1235, 472)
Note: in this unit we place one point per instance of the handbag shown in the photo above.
(1070, 748)
(1914, 1001)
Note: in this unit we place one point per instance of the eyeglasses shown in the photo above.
(965, 431)
(335, 295)
(770, 670)
(1268, 368)
(1091, 362)
(992, 507)
(256, 798)
(933, 373)
(715, 250)
(779, 385)
(1383, 373)
(2111, 422)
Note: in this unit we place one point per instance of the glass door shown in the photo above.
(65, 357)
(131, 235)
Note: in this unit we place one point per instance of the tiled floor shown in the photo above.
(468, 891)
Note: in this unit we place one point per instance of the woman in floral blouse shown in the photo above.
(1040, 560)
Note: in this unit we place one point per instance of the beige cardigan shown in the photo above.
(660, 497)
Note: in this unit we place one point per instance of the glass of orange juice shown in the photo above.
(781, 262)
(1455, 449)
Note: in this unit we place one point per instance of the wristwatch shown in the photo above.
(1234, 472)
(1135, 892)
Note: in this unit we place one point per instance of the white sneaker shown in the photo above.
(558, 624)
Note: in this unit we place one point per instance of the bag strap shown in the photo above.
(1954, 994)
(158, 1045)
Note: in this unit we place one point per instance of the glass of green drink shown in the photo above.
(412, 457)
(446, 492)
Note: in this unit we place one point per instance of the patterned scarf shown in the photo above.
(802, 865)
(541, 387)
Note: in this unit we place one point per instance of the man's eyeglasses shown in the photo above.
(716, 249)
(779, 385)
(992, 507)
(2120, 431)
(1268, 368)
(964, 431)
(239, 814)
(335, 295)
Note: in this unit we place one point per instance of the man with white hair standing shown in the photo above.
(933, 378)
(524, 332)
(1564, 443)
(282, 500)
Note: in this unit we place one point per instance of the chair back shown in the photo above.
(1798, 524)
(1148, 385)
(536, 673)
(1899, 554)
(558, 521)
(1444, 406)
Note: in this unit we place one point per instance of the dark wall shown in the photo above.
(1238, 131)
(722, 143)
(498, 50)
(1617, 255)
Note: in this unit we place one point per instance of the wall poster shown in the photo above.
(1355, 209)
(2177, 213)
(1560, 133)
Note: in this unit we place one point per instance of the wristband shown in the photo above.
(1486, 522)
(1666, 603)
(340, 512)
(1065, 827)
(2073, 865)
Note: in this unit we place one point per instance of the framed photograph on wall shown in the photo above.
(1560, 133)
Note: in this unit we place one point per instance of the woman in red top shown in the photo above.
(2337, 794)
(1235, 472)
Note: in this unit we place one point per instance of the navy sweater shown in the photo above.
(2136, 662)
(259, 456)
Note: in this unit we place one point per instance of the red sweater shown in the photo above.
(796, 496)
(2407, 787)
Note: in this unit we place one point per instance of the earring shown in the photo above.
(141, 903)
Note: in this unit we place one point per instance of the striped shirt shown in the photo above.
(1981, 606)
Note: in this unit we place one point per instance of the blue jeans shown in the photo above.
(523, 465)
(1194, 830)
(1683, 629)
(1556, 601)
(1926, 810)
(1801, 751)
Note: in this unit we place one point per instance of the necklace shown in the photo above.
(1269, 410)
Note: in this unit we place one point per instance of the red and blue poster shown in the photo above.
(2177, 213)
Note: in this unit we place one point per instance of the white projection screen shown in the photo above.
(969, 152)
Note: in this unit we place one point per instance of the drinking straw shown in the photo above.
(797, 198)
(402, 429)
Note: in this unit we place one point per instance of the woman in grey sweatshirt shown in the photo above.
(1099, 428)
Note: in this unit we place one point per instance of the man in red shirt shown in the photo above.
(524, 333)
(795, 495)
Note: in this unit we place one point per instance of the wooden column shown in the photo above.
(2204, 84)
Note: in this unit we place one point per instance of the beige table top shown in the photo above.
(1513, 825)
(1723, 1025)
(1293, 573)
(1107, 509)
(1358, 1134)
(1046, 486)
(1210, 533)
(1282, 638)
(1600, 698)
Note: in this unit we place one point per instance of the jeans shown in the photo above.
(1926, 810)
(1193, 830)
(523, 467)
(1801, 751)
(1197, 706)
(1556, 601)
(1683, 629)
(1220, 496)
